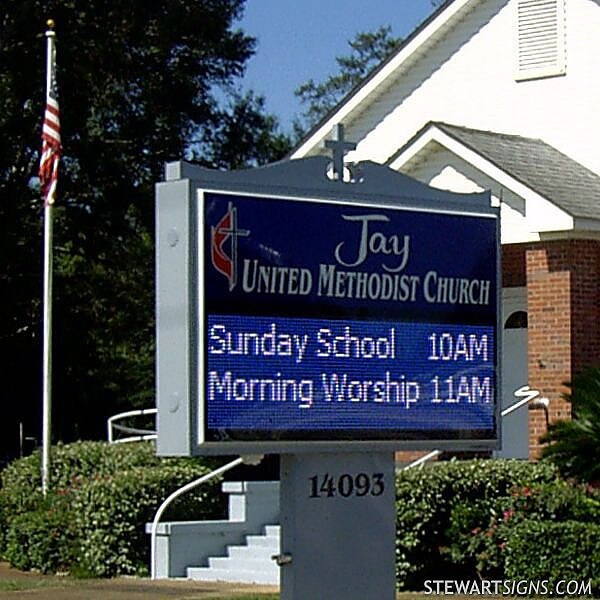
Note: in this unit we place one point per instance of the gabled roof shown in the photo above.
(532, 162)
(378, 80)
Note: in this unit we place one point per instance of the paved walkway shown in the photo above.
(36, 586)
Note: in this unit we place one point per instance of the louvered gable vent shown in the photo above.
(540, 38)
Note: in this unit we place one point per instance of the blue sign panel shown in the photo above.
(327, 321)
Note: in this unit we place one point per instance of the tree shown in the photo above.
(574, 445)
(368, 50)
(138, 85)
(245, 136)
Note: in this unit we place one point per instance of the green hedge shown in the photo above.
(110, 515)
(471, 519)
(481, 531)
(426, 499)
(454, 519)
(21, 483)
(541, 550)
(92, 519)
(42, 538)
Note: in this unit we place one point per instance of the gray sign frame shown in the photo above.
(178, 296)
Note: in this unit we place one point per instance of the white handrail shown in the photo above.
(123, 415)
(130, 430)
(525, 393)
(186, 488)
(136, 438)
(422, 460)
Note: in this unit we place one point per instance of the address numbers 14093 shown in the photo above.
(346, 485)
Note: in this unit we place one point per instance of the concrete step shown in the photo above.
(272, 531)
(230, 576)
(248, 563)
(257, 542)
(259, 552)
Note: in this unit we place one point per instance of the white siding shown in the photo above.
(468, 79)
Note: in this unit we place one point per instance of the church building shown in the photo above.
(504, 95)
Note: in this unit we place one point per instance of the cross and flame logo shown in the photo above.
(226, 230)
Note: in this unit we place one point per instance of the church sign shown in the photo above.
(295, 314)
(324, 321)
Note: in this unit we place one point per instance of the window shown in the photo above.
(540, 39)
(518, 320)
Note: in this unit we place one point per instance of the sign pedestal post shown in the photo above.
(337, 526)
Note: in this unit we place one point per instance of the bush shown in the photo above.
(21, 486)
(426, 498)
(42, 539)
(554, 552)
(99, 499)
(21, 482)
(481, 531)
(111, 514)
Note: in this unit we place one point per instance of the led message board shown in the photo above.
(322, 321)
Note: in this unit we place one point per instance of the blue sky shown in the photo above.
(299, 39)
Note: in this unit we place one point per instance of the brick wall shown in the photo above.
(514, 272)
(585, 292)
(563, 318)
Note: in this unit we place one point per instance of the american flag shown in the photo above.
(50, 137)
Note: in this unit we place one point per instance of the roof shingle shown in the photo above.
(541, 167)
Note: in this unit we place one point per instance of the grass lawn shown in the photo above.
(19, 585)
(109, 589)
(65, 588)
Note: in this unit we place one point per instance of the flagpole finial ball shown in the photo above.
(50, 23)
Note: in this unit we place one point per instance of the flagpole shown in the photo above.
(47, 301)
(47, 349)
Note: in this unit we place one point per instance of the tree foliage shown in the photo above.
(244, 136)
(368, 50)
(574, 445)
(139, 84)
